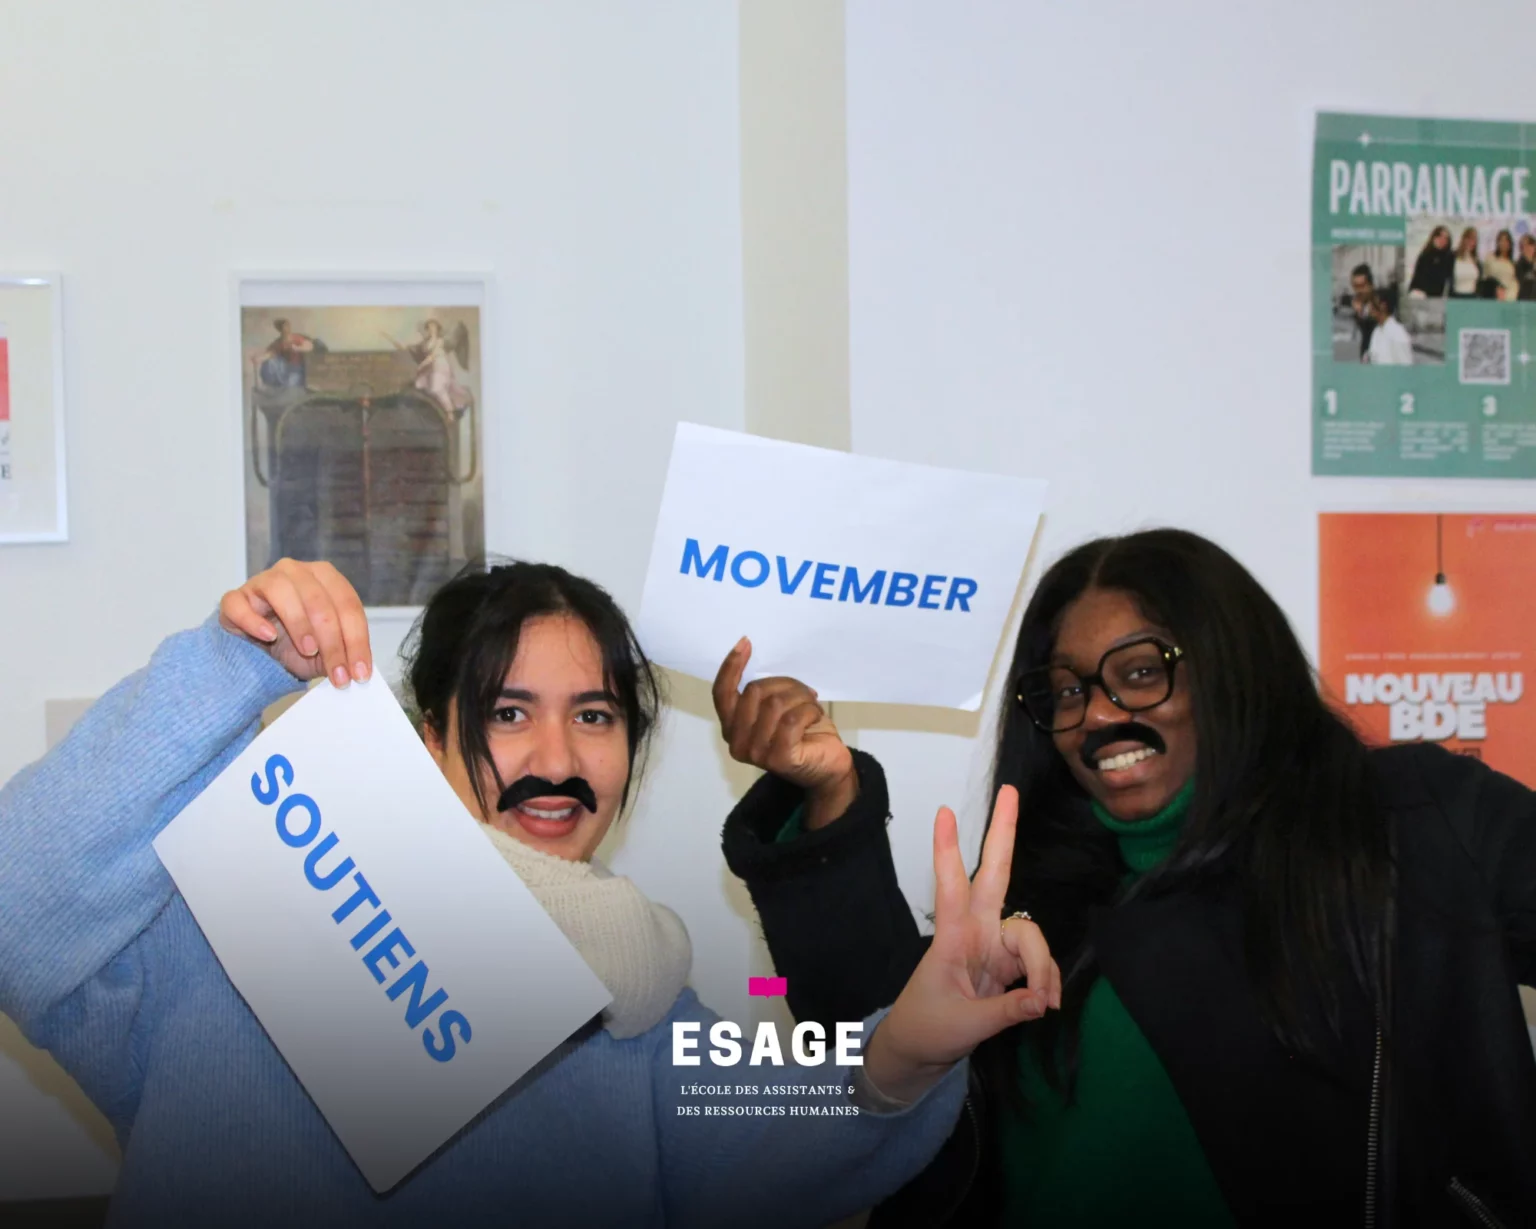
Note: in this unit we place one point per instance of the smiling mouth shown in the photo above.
(1126, 759)
(547, 813)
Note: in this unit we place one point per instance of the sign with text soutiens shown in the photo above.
(870, 580)
(405, 972)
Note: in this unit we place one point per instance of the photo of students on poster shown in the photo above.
(1368, 303)
(1423, 264)
(1425, 635)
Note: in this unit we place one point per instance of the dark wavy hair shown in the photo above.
(460, 649)
(1283, 802)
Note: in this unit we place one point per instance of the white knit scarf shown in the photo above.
(637, 948)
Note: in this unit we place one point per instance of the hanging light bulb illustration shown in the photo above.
(1441, 600)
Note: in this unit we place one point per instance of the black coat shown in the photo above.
(1433, 271)
(1453, 1088)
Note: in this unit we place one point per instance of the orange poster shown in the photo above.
(1428, 631)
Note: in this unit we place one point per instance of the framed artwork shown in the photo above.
(363, 400)
(33, 502)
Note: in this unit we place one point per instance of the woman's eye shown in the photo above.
(594, 716)
(507, 714)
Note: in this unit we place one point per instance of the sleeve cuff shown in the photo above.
(794, 826)
(247, 669)
(870, 1099)
(760, 840)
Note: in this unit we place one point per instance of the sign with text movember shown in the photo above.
(404, 971)
(868, 580)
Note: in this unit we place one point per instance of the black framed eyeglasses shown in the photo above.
(1135, 676)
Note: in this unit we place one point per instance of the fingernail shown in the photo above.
(740, 644)
(311, 646)
(268, 632)
(339, 676)
(360, 671)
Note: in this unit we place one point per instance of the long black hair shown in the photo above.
(1282, 801)
(460, 649)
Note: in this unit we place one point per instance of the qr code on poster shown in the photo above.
(1484, 356)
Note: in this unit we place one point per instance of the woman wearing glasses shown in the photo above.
(1277, 969)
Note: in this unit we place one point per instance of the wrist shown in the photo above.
(831, 800)
(895, 1077)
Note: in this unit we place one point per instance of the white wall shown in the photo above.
(1052, 211)
(583, 154)
(1080, 250)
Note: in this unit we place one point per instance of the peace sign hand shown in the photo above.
(957, 996)
(1016, 947)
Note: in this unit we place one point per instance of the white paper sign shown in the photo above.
(403, 969)
(867, 579)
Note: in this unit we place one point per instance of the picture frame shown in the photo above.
(34, 497)
(363, 401)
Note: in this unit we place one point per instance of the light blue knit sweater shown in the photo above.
(102, 964)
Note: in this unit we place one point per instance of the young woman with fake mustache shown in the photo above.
(537, 703)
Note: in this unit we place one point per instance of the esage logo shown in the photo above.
(807, 1043)
(828, 582)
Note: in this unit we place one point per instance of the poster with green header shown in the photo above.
(1423, 298)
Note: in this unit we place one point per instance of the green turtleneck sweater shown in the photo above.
(1122, 1151)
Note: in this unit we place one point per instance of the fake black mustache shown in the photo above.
(1125, 731)
(524, 788)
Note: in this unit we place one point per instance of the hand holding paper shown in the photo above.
(366, 920)
(777, 725)
(307, 616)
